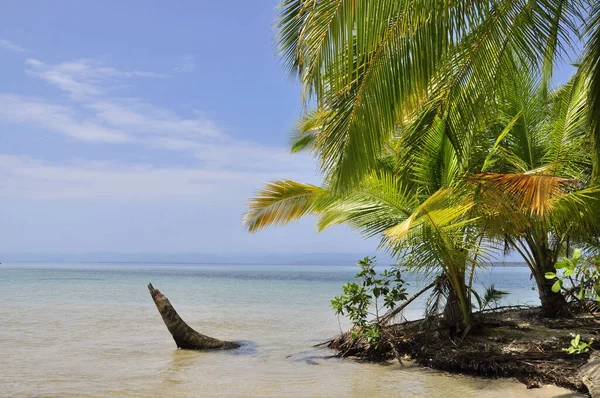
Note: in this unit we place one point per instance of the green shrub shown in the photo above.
(371, 292)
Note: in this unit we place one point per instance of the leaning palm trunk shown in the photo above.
(185, 337)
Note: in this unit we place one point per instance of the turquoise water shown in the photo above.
(93, 330)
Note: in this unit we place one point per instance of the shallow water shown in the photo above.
(92, 330)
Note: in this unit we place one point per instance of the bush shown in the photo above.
(372, 292)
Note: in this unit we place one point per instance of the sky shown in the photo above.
(145, 128)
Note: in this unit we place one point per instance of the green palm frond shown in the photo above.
(357, 58)
(440, 211)
(306, 134)
(380, 202)
(491, 296)
(281, 202)
(577, 213)
(591, 70)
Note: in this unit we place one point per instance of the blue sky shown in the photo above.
(145, 127)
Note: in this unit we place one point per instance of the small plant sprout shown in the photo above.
(578, 347)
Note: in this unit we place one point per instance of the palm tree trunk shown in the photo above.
(452, 310)
(540, 258)
(185, 337)
(553, 304)
(458, 310)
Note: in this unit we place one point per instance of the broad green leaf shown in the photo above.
(576, 255)
(561, 263)
(557, 286)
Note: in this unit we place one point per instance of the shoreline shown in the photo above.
(510, 343)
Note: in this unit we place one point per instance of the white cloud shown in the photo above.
(137, 116)
(224, 166)
(186, 64)
(24, 177)
(84, 78)
(104, 121)
(56, 118)
(11, 46)
(96, 108)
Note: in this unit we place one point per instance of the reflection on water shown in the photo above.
(92, 330)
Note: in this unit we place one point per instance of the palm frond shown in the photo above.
(532, 192)
(436, 300)
(280, 203)
(307, 130)
(491, 296)
(439, 211)
(591, 70)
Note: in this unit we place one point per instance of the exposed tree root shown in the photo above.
(185, 337)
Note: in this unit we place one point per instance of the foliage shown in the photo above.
(491, 297)
(372, 291)
(452, 153)
(582, 274)
(355, 61)
(578, 347)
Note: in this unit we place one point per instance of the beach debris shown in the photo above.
(185, 337)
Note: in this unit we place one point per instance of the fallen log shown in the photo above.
(185, 337)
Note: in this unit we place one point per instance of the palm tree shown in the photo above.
(525, 181)
(415, 201)
(543, 150)
(369, 64)
(428, 232)
(379, 67)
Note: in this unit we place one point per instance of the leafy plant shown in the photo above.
(577, 346)
(583, 275)
(491, 297)
(372, 291)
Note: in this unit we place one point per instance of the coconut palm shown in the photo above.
(522, 177)
(414, 201)
(427, 231)
(369, 64)
(378, 67)
(544, 149)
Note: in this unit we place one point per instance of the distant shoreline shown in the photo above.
(250, 263)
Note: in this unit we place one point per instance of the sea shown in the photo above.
(92, 330)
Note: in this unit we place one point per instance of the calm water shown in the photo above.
(93, 330)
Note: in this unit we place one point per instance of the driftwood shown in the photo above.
(590, 375)
(185, 337)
